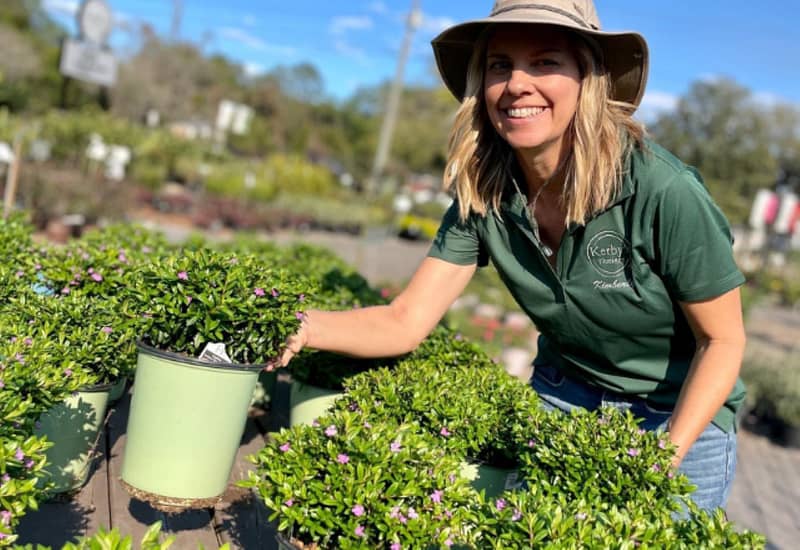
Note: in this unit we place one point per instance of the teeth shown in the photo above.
(524, 112)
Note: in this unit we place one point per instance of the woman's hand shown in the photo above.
(293, 345)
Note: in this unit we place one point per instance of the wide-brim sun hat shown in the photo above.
(624, 54)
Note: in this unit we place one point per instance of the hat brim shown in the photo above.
(625, 54)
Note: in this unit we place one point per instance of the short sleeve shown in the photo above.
(457, 241)
(693, 237)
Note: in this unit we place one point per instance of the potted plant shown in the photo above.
(188, 414)
(91, 348)
(350, 481)
(456, 393)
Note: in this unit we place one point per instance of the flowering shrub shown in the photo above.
(456, 393)
(330, 370)
(113, 540)
(533, 518)
(600, 456)
(92, 334)
(15, 234)
(22, 462)
(349, 481)
(203, 296)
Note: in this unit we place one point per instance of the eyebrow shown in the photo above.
(532, 54)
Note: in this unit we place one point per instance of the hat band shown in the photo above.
(545, 7)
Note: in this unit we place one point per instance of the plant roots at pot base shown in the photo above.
(170, 505)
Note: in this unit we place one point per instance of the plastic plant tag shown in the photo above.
(214, 352)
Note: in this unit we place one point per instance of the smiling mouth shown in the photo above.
(523, 112)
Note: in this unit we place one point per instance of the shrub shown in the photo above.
(349, 481)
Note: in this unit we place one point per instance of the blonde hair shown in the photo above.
(602, 133)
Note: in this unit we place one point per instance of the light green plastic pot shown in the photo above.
(307, 402)
(186, 422)
(491, 479)
(72, 426)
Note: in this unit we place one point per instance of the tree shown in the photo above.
(718, 128)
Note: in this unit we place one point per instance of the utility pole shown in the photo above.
(177, 15)
(390, 117)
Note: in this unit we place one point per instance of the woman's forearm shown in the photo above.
(377, 331)
(711, 378)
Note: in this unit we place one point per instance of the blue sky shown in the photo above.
(355, 42)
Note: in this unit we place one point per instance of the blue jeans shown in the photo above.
(710, 463)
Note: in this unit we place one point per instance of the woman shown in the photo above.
(611, 245)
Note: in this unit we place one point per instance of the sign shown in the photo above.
(89, 62)
(95, 21)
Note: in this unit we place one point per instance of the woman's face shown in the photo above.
(531, 86)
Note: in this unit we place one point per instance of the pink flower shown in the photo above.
(395, 447)
(90, 270)
(29, 464)
(342, 459)
(445, 432)
(37, 267)
(395, 546)
(436, 496)
(395, 513)
(367, 425)
(6, 478)
(189, 300)
(258, 291)
(5, 517)
(67, 372)
(517, 515)
(289, 502)
(359, 532)
(448, 542)
(633, 452)
(27, 341)
(122, 257)
(331, 431)
(183, 276)
(18, 454)
(301, 298)
(358, 510)
(531, 443)
(285, 447)
(65, 290)
(662, 444)
(656, 468)
(107, 330)
(412, 514)
(20, 274)
(315, 423)
(2, 384)
(500, 503)
(299, 315)
(274, 292)
(97, 277)
(670, 474)
(641, 431)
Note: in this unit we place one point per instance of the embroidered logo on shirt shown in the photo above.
(608, 253)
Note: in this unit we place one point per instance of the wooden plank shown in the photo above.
(133, 517)
(237, 518)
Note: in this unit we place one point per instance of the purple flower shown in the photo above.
(90, 270)
(656, 468)
(633, 452)
(367, 425)
(27, 341)
(20, 274)
(670, 474)
(436, 496)
(107, 330)
(395, 513)
(122, 258)
(395, 546)
(402, 519)
(412, 514)
(289, 502)
(662, 444)
(500, 503)
(459, 337)
(29, 464)
(67, 372)
(65, 290)
(448, 542)
(517, 515)
(641, 431)
(285, 447)
(315, 423)
(299, 315)
(37, 267)
(331, 431)
(97, 277)
(301, 298)
(531, 443)
(395, 447)
(445, 432)
(359, 532)
(5, 517)
(183, 276)
(18, 454)
(258, 291)
(358, 510)
(6, 478)
(342, 458)
(274, 292)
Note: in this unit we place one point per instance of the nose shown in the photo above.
(520, 83)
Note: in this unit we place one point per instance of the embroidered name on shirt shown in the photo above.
(613, 285)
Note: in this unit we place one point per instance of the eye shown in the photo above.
(498, 65)
(547, 62)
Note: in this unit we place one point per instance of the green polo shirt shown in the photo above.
(608, 312)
